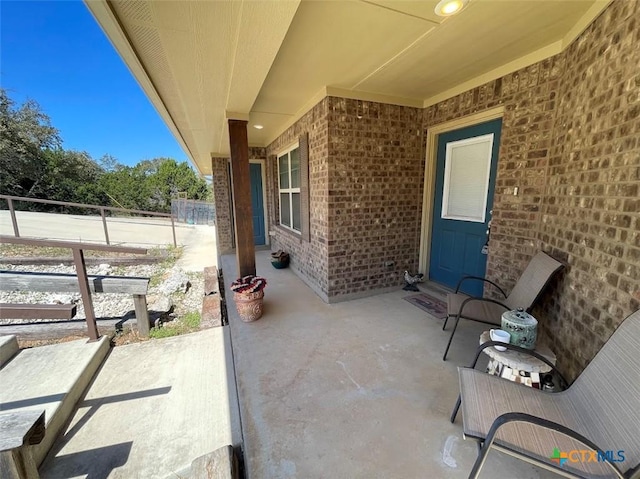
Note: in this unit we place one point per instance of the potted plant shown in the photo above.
(248, 293)
(279, 259)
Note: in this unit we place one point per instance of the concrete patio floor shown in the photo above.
(354, 389)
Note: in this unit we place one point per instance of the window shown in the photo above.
(466, 179)
(289, 188)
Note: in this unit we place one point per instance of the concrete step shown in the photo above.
(8, 349)
(219, 464)
(52, 378)
(153, 408)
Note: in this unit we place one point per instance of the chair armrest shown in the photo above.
(634, 472)
(530, 352)
(538, 421)
(464, 278)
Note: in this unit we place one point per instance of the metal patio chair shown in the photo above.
(527, 290)
(592, 429)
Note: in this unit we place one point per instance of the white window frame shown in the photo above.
(289, 190)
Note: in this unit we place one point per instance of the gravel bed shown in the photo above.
(114, 305)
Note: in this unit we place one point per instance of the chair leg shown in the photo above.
(444, 326)
(456, 409)
(480, 460)
(453, 331)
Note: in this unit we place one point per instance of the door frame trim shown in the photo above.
(430, 174)
(263, 169)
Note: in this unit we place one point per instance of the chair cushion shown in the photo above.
(486, 397)
(476, 310)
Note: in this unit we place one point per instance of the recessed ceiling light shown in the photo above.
(258, 127)
(446, 8)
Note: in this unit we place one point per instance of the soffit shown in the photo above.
(401, 52)
(270, 61)
(483, 37)
(202, 59)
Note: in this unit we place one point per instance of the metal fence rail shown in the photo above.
(81, 269)
(102, 209)
(193, 212)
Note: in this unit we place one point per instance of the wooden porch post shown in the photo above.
(245, 251)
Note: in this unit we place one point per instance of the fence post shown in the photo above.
(12, 211)
(173, 229)
(104, 225)
(142, 314)
(85, 293)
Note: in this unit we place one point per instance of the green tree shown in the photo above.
(26, 134)
(33, 164)
(109, 163)
(166, 178)
(72, 176)
(126, 187)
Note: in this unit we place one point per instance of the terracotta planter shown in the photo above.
(249, 305)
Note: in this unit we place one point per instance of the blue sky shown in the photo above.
(55, 53)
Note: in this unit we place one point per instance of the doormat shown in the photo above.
(431, 305)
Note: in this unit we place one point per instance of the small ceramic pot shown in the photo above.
(522, 326)
(280, 264)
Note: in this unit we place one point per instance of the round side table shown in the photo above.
(516, 366)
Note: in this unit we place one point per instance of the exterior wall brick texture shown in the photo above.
(374, 199)
(222, 201)
(365, 175)
(591, 210)
(310, 259)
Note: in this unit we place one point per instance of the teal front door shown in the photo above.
(465, 181)
(257, 203)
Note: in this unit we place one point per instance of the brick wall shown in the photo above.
(365, 175)
(222, 200)
(309, 259)
(591, 209)
(570, 144)
(376, 170)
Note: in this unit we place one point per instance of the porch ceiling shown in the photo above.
(201, 62)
